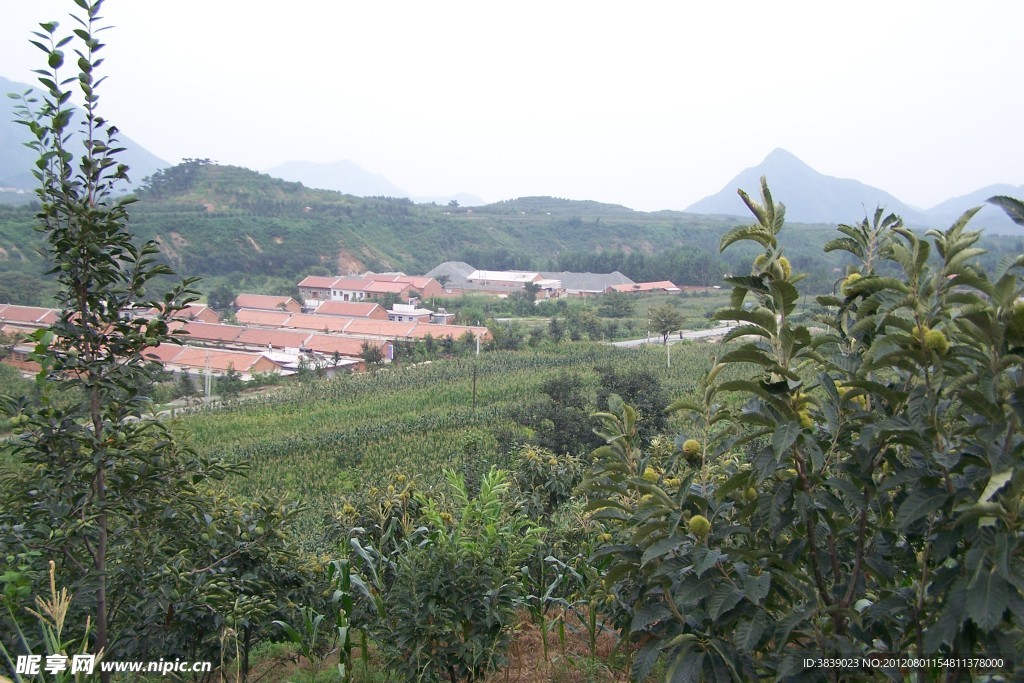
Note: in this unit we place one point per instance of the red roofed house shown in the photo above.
(316, 289)
(262, 318)
(329, 348)
(350, 347)
(199, 313)
(20, 358)
(211, 333)
(352, 309)
(453, 331)
(31, 316)
(288, 341)
(266, 302)
(380, 328)
(194, 360)
(425, 287)
(377, 290)
(320, 323)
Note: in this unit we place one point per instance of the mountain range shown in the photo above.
(17, 161)
(812, 197)
(809, 196)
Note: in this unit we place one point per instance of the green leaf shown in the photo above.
(660, 548)
(946, 627)
(748, 353)
(725, 597)
(784, 437)
(845, 244)
(683, 404)
(753, 233)
(750, 282)
(785, 295)
(744, 330)
(919, 505)
(1014, 208)
(986, 599)
(756, 588)
(704, 558)
(749, 632)
(648, 614)
(644, 659)
(289, 631)
(693, 590)
(687, 666)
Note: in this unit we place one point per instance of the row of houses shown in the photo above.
(460, 277)
(336, 317)
(273, 335)
(16, 323)
(316, 289)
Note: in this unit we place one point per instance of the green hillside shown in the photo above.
(229, 224)
(216, 219)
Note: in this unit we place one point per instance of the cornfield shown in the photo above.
(321, 441)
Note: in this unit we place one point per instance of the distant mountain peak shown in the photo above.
(809, 196)
(781, 155)
(813, 197)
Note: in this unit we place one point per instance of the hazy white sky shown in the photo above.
(648, 104)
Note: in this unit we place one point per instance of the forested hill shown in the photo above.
(214, 219)
(218, 221)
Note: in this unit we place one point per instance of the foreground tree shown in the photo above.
(98, 486)
(869, 497)
(99, 341)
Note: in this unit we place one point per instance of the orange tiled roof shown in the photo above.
(349, 309)
(264, 318)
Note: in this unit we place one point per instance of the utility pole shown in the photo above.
(476, 363)
(208, 377)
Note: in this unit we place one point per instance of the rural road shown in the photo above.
(689, 334)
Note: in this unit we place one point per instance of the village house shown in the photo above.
(262, 318)
(409, 313)
(196, 360)
(352, 309)
(460, 278)
(28, 317)
(272, 336)
(198, 312)
(267, 302)
(320, 323)
(316, 289)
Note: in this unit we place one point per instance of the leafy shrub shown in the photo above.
(880, 507)
(447, 608)
(545, 481)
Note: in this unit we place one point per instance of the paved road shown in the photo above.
(690, 334)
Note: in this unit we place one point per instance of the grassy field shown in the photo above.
(322, 441)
